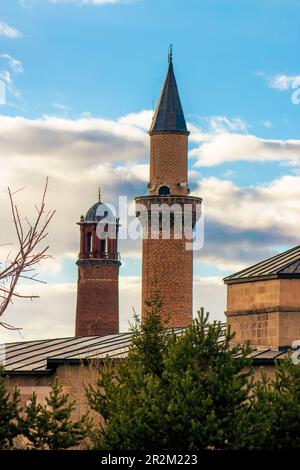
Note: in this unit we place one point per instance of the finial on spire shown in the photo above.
(169, 116)
(170, 53)
(99, 194)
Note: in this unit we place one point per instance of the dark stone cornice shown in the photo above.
(98, 262)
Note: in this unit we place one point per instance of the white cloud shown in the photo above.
(228, 173)
(214, 125)
(78, 156)
(210, 293)
(230, 147)
(6, 77)
(53, 315)
(267, 124)
(221, 124)
(223, 139)
(84, 140)
(15, 64)
(243, 224)
(271, 207)
(8, 31)
(2, 93)
(60, 107)
(198, 135)
(141, 120)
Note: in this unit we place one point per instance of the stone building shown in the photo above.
(263, 301)
(34, 365)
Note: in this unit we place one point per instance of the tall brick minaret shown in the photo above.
(167, 262)
(98, 273)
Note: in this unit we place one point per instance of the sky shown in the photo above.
(79, 80)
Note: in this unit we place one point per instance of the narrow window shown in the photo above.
(102, 246)
(89, 242)
(164, 191)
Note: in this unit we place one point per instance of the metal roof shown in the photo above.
(42, 357)
(284, 265)
(99, 211)
(169, 115)
(267, 356)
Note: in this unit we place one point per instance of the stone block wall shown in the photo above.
(267, 312)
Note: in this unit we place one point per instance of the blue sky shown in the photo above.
(110, 60)
(97, 67)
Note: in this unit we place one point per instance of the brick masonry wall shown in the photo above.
(267, 313)
(171, 265)
(167, 261)
(97, 300)
(168, 162)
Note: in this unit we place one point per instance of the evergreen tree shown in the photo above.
(51, 426)
(254, 425)
(125, 384)
(9, 415)
(208, 383)
(272, 421)
(280, 403)
(185, 391)
(150, 338)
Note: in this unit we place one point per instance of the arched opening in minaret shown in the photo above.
(89, 242)
(164, 191)
(103, 246)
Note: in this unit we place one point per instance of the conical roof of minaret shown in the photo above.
(169, 116)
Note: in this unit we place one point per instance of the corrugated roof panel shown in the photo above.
(43, 347)
(276, 266)
(256, 353)
(292, 268)
(29, 356)
(269, 354)
(33, 356)
(101, 349)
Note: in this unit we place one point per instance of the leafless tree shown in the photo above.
(21, 263)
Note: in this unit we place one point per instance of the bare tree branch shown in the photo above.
(22, 265)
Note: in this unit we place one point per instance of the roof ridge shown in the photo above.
(264, 264)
